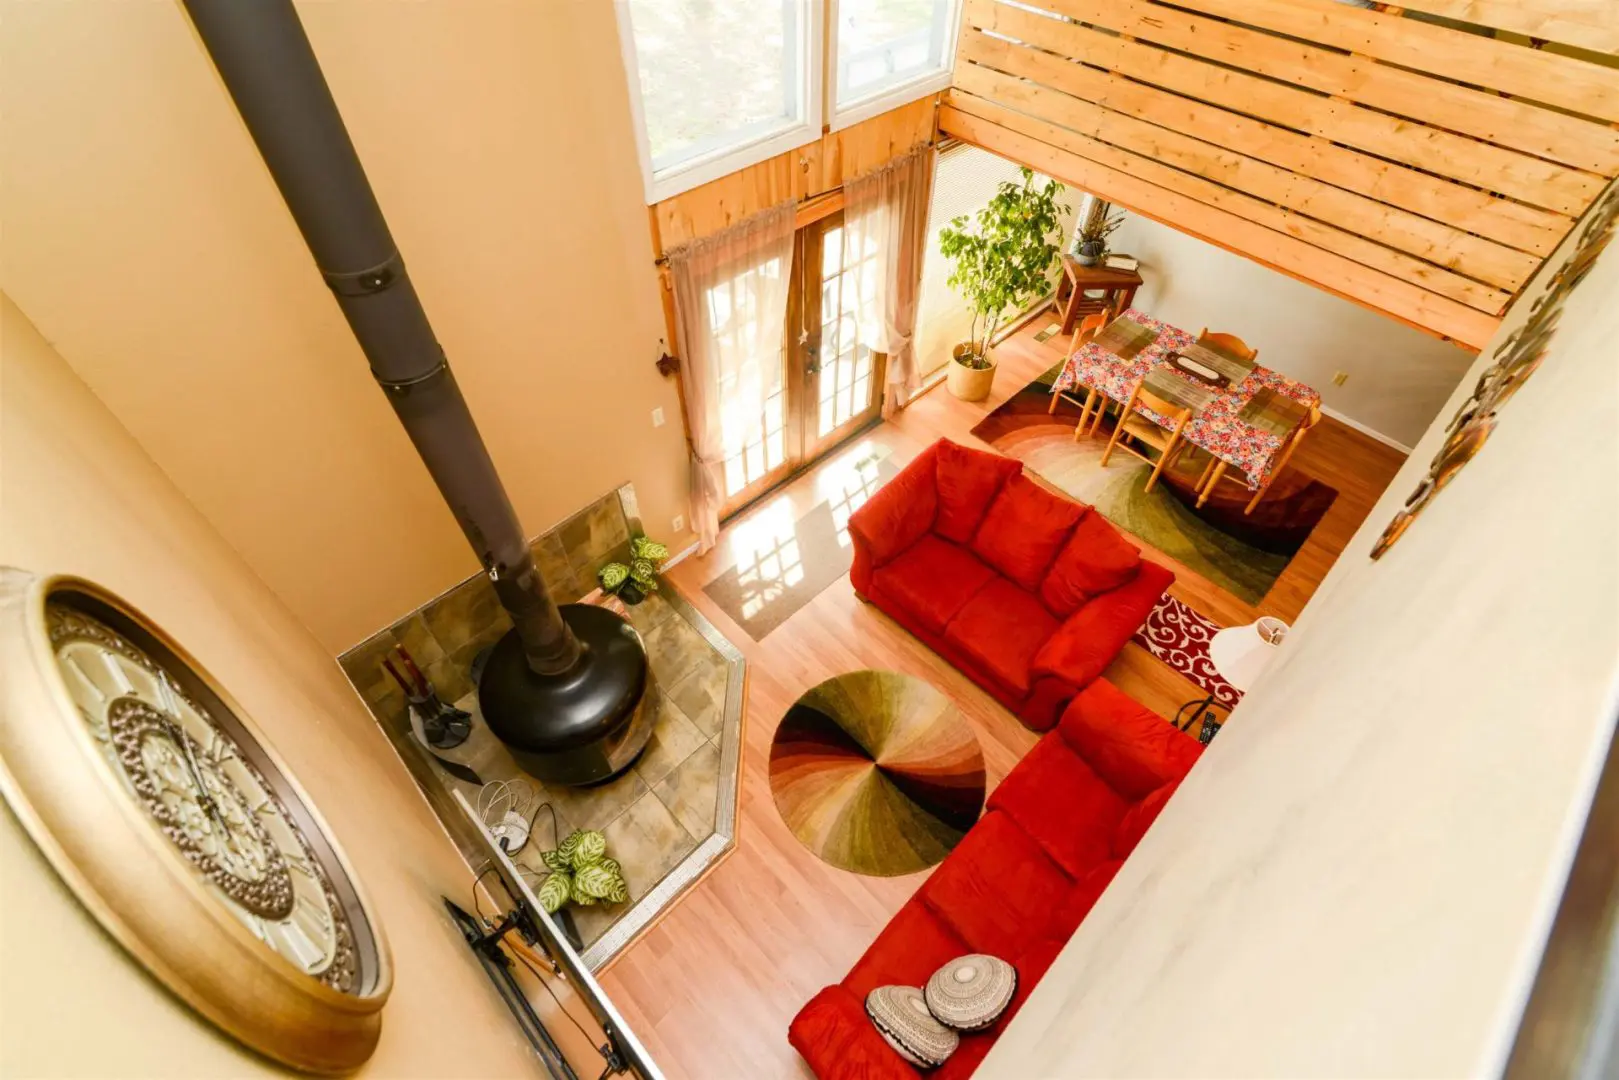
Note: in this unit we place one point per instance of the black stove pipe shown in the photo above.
(263, 55)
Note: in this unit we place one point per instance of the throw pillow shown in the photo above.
(901, 1016)
(1095, 559)
(1024, 529)
(968, 480)
(1139, 818)
(970, 993)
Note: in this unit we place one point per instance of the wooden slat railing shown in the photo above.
(1283, 130)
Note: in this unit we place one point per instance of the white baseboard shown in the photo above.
(1364, 430)
(689, 549)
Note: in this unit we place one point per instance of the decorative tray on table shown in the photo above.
(1194, 368)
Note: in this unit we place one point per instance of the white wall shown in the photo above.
(1398, 377)
(1357, 878)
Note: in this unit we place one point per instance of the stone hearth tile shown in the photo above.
(650, 612)
(597, 534)
(552, 559)
(700, 693)
(595, 807)
(418, 640)
(648, 842)
(363, 665)
(691, 791)
(450, 677)
(466, 612)
(674, 738)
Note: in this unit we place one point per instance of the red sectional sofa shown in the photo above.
(1028, 593)
(1054, 833)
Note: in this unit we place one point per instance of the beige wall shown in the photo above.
(80, 497)
(145, 238)
(1357, 878)
(1398, 377)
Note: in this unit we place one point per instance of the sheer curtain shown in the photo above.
(730, 308)
(885, 218)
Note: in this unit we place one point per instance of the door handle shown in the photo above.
(812, 354)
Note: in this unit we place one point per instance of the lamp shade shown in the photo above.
(1240, 653)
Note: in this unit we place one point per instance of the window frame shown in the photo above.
(889, 97)
(723, 160)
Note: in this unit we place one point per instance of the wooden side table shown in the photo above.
(1118, 289)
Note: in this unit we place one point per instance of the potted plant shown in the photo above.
(1096, 224)
(581, 872)
(631, 583)
(1001, 264)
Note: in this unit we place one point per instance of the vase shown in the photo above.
(966, 382)
(631, 593)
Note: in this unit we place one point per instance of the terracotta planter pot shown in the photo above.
(969, 383)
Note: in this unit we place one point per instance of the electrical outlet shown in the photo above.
(657, 416)
(1340, 377)
(678, 525)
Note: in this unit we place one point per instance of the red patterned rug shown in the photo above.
(1179, 636)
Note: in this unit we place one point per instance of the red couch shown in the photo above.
(1054, 833)
(1030, 594)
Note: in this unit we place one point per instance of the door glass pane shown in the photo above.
(844, 386)
(882, 43)
(715, 74)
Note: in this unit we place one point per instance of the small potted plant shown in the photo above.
(1001, 264)
(1096, 224)
(631, 583)
(582, 873)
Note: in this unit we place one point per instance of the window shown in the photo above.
(717, 85)
(889, 52)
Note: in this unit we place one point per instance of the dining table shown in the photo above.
(1245, 423)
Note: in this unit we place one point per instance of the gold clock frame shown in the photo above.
(133, 880)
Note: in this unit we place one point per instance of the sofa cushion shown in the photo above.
(967, 481)
(1131, 747)
(995, 887)
(901, 511)
(838, 1040)
(1024, 529)
(1094, 560)
(1139, 818)
(1002, 628)
(932, 580)
(913, 945)
(1066, 916)
(1063, 805)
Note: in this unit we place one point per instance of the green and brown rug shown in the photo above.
(1243, 554)
(877, 772)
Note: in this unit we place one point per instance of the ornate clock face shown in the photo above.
(202, 789)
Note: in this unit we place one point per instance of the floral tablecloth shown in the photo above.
(1219, 428)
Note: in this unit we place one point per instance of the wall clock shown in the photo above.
(159, 803)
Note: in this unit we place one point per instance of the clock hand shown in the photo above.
(178, 735)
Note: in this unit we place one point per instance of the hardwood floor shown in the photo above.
(712, 987)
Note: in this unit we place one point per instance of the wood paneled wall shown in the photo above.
(799, 175)
(1419, 170)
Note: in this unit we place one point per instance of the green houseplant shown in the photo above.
(581, 872)
(631, 583)
(1001, 264)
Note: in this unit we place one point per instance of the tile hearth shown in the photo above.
(669, 816)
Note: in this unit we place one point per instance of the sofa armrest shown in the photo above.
(1129, 746)
(1091, 637)
(898, 515)
(839, 1041)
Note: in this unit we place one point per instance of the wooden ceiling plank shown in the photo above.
(1400, 299)
(1504, 121)
(1493, 168)
(1515, 224)
(1419, 237)
(1585, 24)
(1339, 241)
(1564, 81)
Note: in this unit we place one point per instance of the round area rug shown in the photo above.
(877, 772)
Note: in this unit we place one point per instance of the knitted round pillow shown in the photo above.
(970, 993)
(901, 1016)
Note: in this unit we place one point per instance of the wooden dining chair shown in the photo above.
(1088, 328)
(1229, 343)
(1135, 426)
(1215, 471)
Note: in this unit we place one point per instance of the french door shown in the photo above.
(826, 384)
